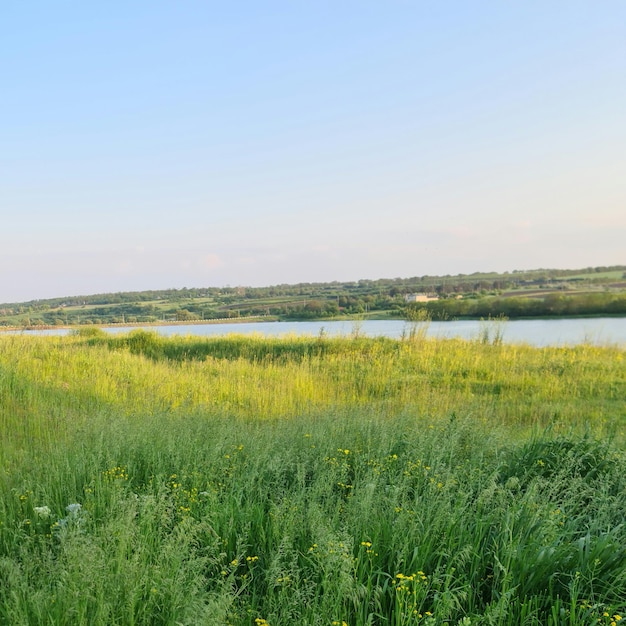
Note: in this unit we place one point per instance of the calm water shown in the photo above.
(605, 330)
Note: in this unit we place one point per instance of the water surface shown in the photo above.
(539, 332)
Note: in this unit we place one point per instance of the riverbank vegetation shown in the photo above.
(308, 480)
(552, 304)
(544, 293)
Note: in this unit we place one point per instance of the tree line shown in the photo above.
(461, 295)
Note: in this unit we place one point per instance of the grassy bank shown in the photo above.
(248, 481)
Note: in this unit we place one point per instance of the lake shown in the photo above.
(537, 332)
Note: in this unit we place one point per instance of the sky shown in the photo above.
(159, 144)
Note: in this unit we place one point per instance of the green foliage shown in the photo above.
(91, 332)
(551, 304)
(513, 294)
(243, 481)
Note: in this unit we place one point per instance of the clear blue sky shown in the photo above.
(148, 145)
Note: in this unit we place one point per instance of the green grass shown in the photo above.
(310, 480)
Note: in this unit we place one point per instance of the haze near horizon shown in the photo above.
(159, 145)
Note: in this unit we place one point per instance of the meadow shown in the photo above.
(308, 480)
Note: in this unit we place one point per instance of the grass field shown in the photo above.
(254, 481)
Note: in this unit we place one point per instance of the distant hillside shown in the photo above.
(588, 291)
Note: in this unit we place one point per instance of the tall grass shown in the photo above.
(310, 481)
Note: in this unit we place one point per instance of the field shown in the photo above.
(254, 481)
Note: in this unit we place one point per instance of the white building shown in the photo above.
(420, 297)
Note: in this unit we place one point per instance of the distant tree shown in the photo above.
(183, 315)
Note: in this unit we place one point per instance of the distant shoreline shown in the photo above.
(234, 320)
(270, 319)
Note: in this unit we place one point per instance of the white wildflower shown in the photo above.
(42, 511)
(73, 509)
